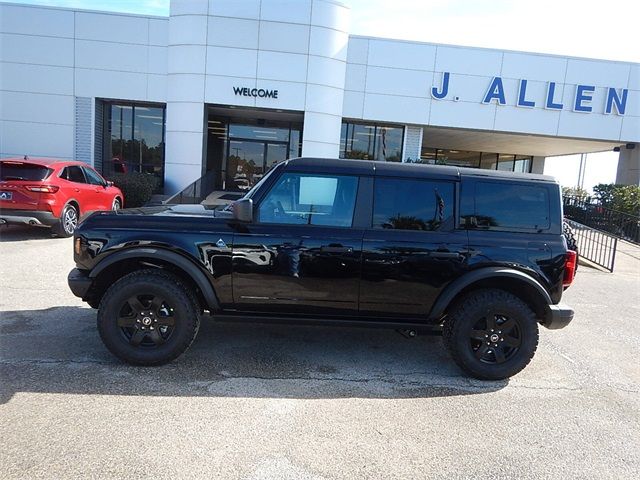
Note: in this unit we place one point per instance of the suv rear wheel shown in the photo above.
(491, 334)
(67, 223)
(148, 317)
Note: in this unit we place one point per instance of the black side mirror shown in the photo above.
(243, 210)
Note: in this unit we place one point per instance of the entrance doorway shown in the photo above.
(243, 144)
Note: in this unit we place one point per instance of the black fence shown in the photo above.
(621, 225)
(594, 245)
(195, 192)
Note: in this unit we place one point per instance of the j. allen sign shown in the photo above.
(615, 99)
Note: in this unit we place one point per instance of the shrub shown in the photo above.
(576, 192)
(623, 198)
(137, 188)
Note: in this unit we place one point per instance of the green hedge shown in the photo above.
(623, 198)
(137, 188)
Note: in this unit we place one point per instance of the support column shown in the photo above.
(629, 166)
(412, 143)
(537, 165)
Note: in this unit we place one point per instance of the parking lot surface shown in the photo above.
(283, 402)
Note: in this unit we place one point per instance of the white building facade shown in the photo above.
(227, 88)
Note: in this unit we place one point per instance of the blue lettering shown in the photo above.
(445, 87)
(496, 90)
(522, 94)
(583, 94)
(621, 103)
(551, 91)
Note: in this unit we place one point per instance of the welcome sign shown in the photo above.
(615, 99)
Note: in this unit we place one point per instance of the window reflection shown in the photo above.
(471, 159)
(136, 139)
(371, 142)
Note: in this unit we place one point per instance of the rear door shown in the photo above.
(75, 184)
(413, 249)
(302, 255)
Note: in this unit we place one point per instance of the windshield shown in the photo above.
(23, 171)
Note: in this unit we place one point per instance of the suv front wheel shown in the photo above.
(148, 317)
(491, 334)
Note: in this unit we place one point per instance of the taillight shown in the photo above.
(42, 188)
(570, 263)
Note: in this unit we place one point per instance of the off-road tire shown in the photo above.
(567, 231)
(59, 229)
(462, 320)
(153, 282)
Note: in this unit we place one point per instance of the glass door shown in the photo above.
(276, 153)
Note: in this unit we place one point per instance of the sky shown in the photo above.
(581, 28)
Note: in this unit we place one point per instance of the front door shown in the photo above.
(301, 255)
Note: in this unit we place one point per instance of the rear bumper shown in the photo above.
(27, 217)
(558, 316)
(79, 282)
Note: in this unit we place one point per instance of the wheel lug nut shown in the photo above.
(488, 343)
(484, 336)
(150, 328)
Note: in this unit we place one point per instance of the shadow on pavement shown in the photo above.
(18, 233)
(58, 350)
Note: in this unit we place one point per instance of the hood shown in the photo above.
(178, 210)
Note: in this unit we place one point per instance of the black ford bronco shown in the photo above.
(477, 255)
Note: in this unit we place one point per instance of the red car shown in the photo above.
(52, 193)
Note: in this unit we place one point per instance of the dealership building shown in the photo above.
(227, 88)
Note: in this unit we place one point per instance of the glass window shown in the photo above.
(522, 164)
(308, 199)
(93, 177)
(428, 155)
(511, 206)
(404, 204)
(489, 161)
(505, 162)
(134, 139)
(23, 171)
(459, 158)
(371, 142)
(389, 143)
(73, 174)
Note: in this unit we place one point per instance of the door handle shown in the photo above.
(76, 190)
(335, 249)
(454, 255)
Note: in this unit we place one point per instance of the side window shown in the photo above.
(73, 174)
(93, 177)
(404, 204)
(310, 199)
(509, 205)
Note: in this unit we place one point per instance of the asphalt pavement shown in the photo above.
(293, 402)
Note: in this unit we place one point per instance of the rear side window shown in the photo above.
(405, 204)
(73, 174)
(508, 205)
(23, 171)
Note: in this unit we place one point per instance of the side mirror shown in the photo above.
(243, 210)
(108, 183)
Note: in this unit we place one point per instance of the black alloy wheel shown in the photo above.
(146, 320)
(148, 317)
(491, 334)
(495, 338)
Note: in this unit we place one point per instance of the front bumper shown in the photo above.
(558, 316)
(27, 217)
(79, 282)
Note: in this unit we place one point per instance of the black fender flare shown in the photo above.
(454, 288)
(170, 257)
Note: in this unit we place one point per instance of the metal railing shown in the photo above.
(594, 245)
(619, 224)
(195, 192)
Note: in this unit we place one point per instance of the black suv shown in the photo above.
(477, 255)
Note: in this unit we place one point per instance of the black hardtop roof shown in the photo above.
(398, 169)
